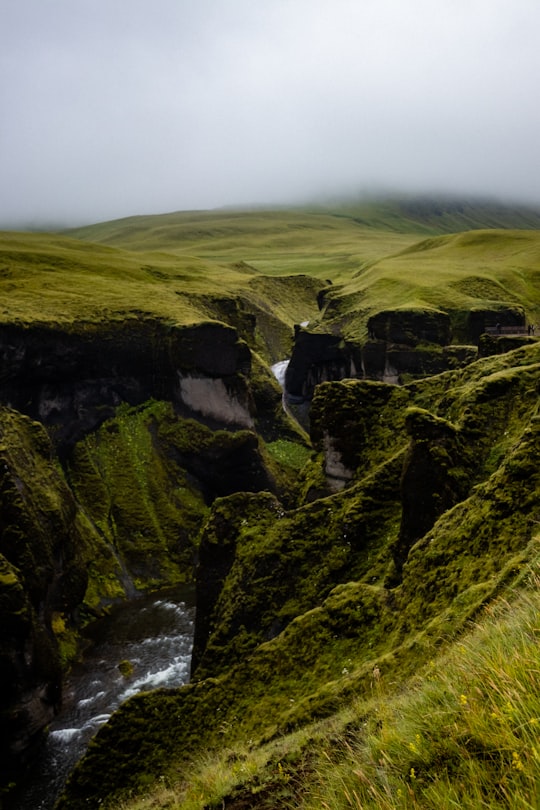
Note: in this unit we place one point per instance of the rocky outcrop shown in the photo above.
(220, 539)
(489, 344)
(298, 608)
(401, 344)
(480, 319)
(318, 358)
(348, 424)
(408, 327)
(72, 379)
(109, 401)
(434, 478)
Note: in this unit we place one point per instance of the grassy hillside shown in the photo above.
(336, 669)
(439, 214)
(46, 278)
(329, 241)
(317, 650)
(282, 242)
(455, 273)
(176, 266)
(463, 732)
(60, 281)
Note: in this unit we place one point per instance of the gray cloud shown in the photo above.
(112, 108)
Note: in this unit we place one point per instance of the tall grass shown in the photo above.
(465, 735)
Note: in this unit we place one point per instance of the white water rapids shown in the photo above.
(155, 634)
(279, 370)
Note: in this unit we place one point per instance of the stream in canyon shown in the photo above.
(154, 633)
(140, 645)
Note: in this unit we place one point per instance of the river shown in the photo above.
(155, 635)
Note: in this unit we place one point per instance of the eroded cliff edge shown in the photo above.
(306, 602)
(115, 439)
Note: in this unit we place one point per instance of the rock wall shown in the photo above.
(400, 345)
(104, 481)
(73, 379)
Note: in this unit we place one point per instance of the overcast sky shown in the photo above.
(116, 107)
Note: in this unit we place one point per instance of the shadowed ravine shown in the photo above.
(154, 634)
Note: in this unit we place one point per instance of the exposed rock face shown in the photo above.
(212, 398)
(73, 380)
(400, 343)
(479, 319)
(409, 327)
(224, 467)
(375, 360)
(320, 569)
(317, 358)
(348, 425)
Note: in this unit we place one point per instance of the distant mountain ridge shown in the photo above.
(434, 214)
(422, 215)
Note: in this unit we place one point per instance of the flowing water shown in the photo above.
(279, 370)
(155, 634)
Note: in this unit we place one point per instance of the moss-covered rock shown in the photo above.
(356, 424)
(436, 475)
(43, 574)
(305, 612)
(73, 378)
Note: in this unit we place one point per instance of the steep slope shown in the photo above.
(313, 599)
(129, 401)
(138, 408)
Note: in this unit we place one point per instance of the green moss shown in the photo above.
(288, 644)
(363, 421)
(126, 668)
(306, 608)
(138, 497)
(291, 454)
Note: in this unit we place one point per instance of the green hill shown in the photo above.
(326, 241)
(455, 273)
(367, 593)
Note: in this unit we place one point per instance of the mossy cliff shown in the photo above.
(438, 514)
(104, 496)
(398, 345)
(44, 541)
(73, 377)
(154, 448)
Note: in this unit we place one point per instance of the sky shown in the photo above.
(111, 108)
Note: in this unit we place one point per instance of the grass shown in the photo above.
(187, 267)
(463, 733)
(454, 273)
(47, 278)
(272, 242)
(291, 454)
(307, 611)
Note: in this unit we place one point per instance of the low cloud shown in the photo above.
(111, 109)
